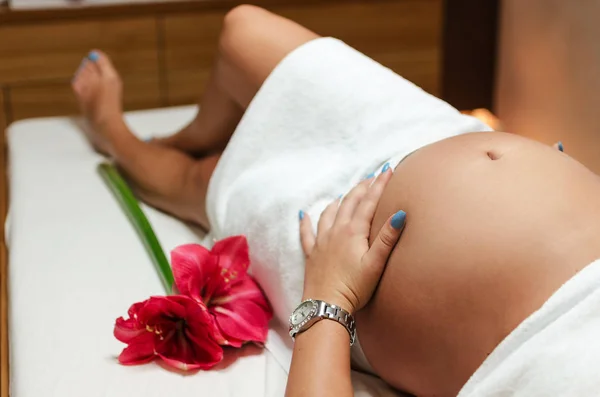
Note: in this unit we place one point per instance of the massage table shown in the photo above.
(75, 264)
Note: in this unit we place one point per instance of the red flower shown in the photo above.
(219, 280)
(175, 328)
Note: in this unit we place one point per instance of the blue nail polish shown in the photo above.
(93, 56)
(398, 220)
(340, 196)
(386, 167)
(147, 140)
(371, 175)
(301, 215)
(560, 146)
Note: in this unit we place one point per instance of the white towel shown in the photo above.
(325, 118)
(554, 352)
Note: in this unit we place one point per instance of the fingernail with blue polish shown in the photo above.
(371, 175)
(340, 196)
(398, 220)
(301, 215)
(93, 56)
(386, 167)
(560, 146)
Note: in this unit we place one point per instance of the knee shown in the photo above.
(240, 19)
(242, 14)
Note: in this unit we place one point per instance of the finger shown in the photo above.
(307, 236)
(559, 145)
(328, 217)
(366, 209)
(386, 240)
(351, 201)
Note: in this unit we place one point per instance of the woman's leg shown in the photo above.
(248, 52)
(252, 42)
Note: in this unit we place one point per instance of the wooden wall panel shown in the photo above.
(469, 42)
(190, 49)
(403, 35)
(38, 61)
(57, 98)
(3, 116)
(46, 51)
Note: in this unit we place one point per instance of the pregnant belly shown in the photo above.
(496, 223)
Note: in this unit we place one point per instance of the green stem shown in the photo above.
(138, 219)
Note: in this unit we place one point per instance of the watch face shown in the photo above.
(301, 313)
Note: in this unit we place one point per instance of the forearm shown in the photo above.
(321, 362)
(164, 177)
(342, 269)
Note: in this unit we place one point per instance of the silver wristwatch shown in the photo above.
(312, 311)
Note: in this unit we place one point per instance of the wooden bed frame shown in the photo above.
(466, 75)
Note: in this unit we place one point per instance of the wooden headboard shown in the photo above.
(165, 51)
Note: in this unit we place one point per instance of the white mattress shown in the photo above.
(76, 264)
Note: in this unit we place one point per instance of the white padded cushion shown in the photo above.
(76, 264)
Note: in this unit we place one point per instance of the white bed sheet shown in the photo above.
(76, 264)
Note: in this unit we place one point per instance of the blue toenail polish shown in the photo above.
(301, 215)
(560, 146)
(386, 167)
(398, 220)
(93, 56)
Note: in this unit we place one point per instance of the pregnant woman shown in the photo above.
(501, 232)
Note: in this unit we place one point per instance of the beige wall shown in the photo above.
(548, 83)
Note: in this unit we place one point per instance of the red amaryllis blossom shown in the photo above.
(218, 279)
(175, 328)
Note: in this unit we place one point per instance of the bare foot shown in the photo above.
(98, 89)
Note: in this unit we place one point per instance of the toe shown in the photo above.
(94, 55)
(84, 61)
(84, 74)
(90, 76)
(107, 70)
(86, 81)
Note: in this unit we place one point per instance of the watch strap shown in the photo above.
(324, 310)
(333, 312)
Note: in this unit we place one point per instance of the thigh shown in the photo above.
(252, 43)
(479, 254)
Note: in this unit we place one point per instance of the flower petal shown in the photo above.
(140, 352)
(158, 309)
(187, 366)
(190, 341)
(233, 263)
(233, 255)
(193, 267)
(244, 314)
(135, 308)
(127, 330)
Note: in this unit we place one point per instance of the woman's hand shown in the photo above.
(341, 268)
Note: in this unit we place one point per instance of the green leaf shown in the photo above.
(138, 219)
